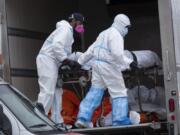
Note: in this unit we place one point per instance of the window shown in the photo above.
(25, 112)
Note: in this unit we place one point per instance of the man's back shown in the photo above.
(60, 38)
(103, 47)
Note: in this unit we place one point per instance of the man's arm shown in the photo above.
(86, 56)
(116, 45)
(59, 44)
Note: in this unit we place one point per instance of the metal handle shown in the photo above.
(169, 73)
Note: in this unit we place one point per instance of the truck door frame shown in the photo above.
(168, 12)
(4, 43)
(167, 16)
(176, 29)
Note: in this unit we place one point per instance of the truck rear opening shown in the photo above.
(153, 90)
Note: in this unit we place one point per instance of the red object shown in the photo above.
(171, 105)
(173, 117)
(106, 106)
(70, 107)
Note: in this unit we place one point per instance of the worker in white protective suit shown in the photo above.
(55, 52)
(108, 52)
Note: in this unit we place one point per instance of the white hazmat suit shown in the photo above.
(108, 52)
(55, 49)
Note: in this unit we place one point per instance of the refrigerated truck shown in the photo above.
(24, 25)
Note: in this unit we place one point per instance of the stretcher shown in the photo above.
(144, 58)
(149, 68)
(148, 64)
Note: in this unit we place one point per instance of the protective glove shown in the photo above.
(133, 65)
(72, 64)
(67, 62)
(77, 66)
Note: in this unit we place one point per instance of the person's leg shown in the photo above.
(47, 89)
(118, 93)
(120, 111)
(57, 106)
(47, 78)
(91, 101)
(88, 105)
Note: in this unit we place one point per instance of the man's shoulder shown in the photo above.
(113, 33)
(62, 30)
(105, 32)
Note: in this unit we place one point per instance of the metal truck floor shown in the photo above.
(118, 129)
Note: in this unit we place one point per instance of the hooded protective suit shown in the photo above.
(55, 49)
(108, 52)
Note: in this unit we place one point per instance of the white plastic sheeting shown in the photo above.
(107, 120)
(152, 100)
(145, 58)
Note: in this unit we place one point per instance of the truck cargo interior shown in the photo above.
(30, 22)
